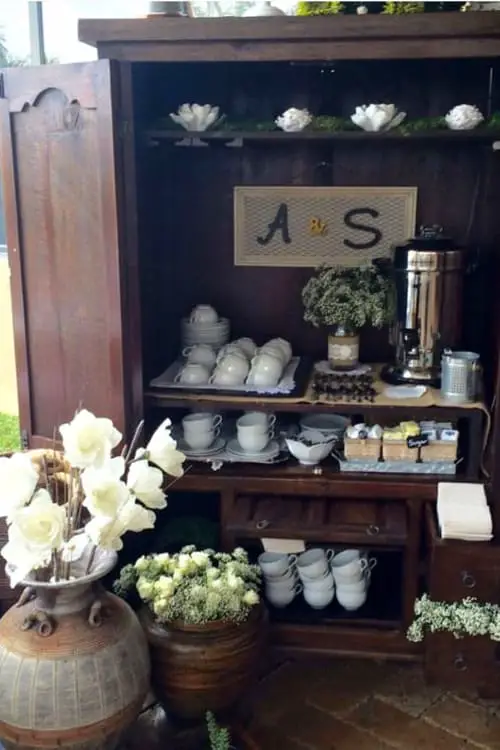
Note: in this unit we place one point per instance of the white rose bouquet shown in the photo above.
(194, 586)
(58, 504)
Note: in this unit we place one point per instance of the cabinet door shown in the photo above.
(66, 164)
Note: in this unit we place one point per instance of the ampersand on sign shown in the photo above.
(317, 228)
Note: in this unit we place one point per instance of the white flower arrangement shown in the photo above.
(57, 505)
(466, 618)
(194, 586)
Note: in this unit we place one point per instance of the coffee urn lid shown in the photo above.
(431, 249)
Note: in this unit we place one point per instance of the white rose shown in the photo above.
(107, 532)
(162, 451)
(104, 493)
(88, 440)
(251, 598)
(145, 482)
(18, 479)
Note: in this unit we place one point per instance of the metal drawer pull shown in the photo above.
(262, 525)
(373, 530)
(468, 580)
(460, 663)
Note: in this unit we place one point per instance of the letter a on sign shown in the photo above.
(278, 224)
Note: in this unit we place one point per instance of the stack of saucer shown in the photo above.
(280, 577)
(255, 433)
(463, 512)
(203, 326)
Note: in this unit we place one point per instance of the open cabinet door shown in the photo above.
(73, 260)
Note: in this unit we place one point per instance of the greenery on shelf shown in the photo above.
(319, 8)
(9, 433)
(219, 737)
(349, 297)
(398, 8)
(465, 618)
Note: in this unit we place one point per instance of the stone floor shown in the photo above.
(362, 705)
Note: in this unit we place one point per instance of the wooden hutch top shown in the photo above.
(369, 37)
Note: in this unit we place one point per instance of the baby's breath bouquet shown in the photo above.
(347, 297)
(468, 617)
(194, 586)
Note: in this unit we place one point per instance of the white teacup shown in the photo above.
(233, 363)
(318, 598)
(268, 363)
(275, 351)
(232, 348)
(247, 345)
(222, 378)
(355, 586)
(313, 563)
(349, 599)
(349, 565)
(274, 564)
(253, 440)
(200, 354)
(326, 582)
(193, 374)
(201, 422)
(198, 441)
(266, 421)
(203, 314)
(284, 346)
(280, 596)
(262, 379)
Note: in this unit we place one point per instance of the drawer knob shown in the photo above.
(373, 530)
(260, 525)
(468, 580)
(460, 663)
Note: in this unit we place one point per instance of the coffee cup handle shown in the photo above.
(178, 377)
(187, 351)
(270, 432)
(216, 432)
(272, 421)
(292, 559)
(330, 554)
(211, 379)
(371, 563)
(217, 421)
(298, 588)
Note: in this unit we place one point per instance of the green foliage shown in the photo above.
(10, 439)
(319, 9)
(331, 124)
(350, 297)
(219, 737)
(400, 8)
(465, 618)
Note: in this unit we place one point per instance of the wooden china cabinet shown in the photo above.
(114, 233)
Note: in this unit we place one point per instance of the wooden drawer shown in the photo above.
(461, 569)
(318, 519)
(462, 663)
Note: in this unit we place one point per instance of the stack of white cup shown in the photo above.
(280, 577)
(201, 429)
(314, 572)
(352, 572)
(254, 430)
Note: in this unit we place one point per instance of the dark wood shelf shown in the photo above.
(275, 137)
(288, 38)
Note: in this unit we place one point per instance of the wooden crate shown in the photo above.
(439, 450)
(397, 450)
(362, 450)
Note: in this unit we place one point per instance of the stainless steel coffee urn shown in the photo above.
(428, 275)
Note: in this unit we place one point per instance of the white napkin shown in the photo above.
(463, 512)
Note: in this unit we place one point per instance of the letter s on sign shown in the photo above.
(376, 233)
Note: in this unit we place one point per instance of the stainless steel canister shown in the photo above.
(460, 376)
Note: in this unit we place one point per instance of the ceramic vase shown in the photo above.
(74, 665)
(209, 667)
(343, 348)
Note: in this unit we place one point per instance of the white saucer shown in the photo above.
(271, 450)
(199, 453)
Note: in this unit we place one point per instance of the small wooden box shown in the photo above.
(397, 450)
(439, 450)
(356, 449)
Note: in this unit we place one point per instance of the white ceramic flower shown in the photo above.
(73, 549)
(107, 532)
(88, 440)
(294, 120)
(35, 532)
(195, 117)
(162, 451)
(145, 482)
(105, 493)
(464, 117)
(377, 117)
(18, 479)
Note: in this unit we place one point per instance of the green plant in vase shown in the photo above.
(343, 300)
(319, 9)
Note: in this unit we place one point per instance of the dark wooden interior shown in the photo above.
(115, 232)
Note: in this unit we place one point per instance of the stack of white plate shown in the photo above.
(215, 334)
(270, 452)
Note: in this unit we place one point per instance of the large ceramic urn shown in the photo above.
(74, 665)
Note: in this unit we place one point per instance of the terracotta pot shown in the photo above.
(199, 668)
(74, 666)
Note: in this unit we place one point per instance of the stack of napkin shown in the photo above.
(463, 512)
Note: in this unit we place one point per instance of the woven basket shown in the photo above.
(397, 450)
(439, 450)
(362, 450)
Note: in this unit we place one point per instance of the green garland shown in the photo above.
(466, 618)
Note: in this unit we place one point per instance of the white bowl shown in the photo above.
(329, 425)
(310, 455)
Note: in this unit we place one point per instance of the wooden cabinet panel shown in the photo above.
(59, 155)
(462, 663)
(318, 519)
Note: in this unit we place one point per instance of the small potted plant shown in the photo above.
(343, 300)
(205, 625)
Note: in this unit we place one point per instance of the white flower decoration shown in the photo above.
(107, 532)
(104, 492)
(145, 482)
(162, 451)
(18, 479)
(88, 440)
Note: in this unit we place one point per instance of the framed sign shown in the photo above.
(311, 226)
